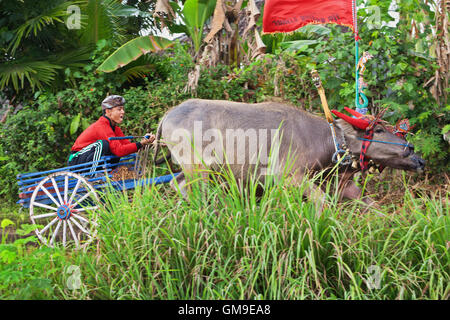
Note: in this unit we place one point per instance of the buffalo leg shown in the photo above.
(312, 192)
(179, 184)
(317, 196)
(187, 174)
(351, 191)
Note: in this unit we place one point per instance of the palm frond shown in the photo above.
(34, 73)
(104, 19)
(72, 58)
(128, 11)
(36, 24)
(138, 72)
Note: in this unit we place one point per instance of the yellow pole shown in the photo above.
(323, 98)
(328, 116)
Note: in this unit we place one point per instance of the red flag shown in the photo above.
(289, 15)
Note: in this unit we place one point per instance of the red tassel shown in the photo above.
(353, 112)
(359, 123)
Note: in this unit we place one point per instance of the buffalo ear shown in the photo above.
(349, 130)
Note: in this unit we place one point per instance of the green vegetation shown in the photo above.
(223, 245)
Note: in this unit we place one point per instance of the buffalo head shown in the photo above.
(385, 148)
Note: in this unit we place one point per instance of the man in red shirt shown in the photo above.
(93, 142)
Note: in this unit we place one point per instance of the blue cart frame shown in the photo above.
(68, 197)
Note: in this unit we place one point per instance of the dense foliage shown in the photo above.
(43, 124)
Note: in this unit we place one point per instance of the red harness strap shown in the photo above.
(400, 130)
(363, 160)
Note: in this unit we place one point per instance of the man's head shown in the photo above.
(112, 107)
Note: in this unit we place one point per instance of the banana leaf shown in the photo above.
(195, 15)
(132, 50)
(297, 45)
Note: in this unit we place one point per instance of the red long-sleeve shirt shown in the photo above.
(103, 129)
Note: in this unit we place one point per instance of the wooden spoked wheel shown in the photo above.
(66, 206)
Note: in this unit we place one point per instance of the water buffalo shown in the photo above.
(204, 134)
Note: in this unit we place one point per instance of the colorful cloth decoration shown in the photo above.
(401, 128)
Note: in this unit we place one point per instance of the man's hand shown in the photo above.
(151, 138)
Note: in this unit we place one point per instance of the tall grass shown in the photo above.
(228, 243)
